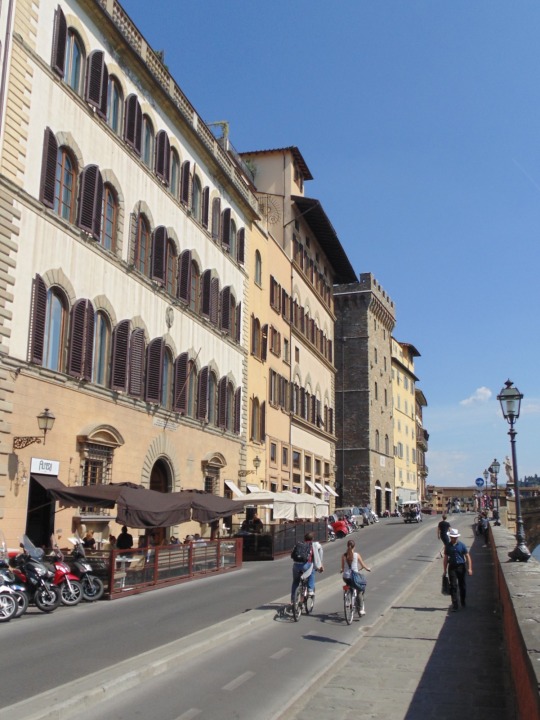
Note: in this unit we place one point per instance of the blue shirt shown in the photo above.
(456, 553)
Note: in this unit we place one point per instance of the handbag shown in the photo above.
(445, 588)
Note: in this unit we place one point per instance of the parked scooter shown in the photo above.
(331, 533)
(8, 578)
(92, 586)
(36, 577)
(68, 583)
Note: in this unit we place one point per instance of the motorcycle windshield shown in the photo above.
(3, 546)
(29, 548)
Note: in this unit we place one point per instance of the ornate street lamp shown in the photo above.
(494, 470)
(510, 399)
(45, 423)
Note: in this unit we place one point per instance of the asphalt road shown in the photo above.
(226, 678)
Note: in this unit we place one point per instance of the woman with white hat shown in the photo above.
(459, 564)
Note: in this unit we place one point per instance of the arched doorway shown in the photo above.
(378, 499)
(388, 498)
(160, 481)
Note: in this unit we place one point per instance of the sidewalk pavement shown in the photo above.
(421, 661)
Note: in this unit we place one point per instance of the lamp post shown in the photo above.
(494, 470)
(486, 475)
(510, 399)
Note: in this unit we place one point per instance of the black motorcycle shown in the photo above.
(36, 577)
(93, 588)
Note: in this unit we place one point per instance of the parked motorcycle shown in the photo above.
(68, 583)
(8, 578)
(36, 577)
(331, 533)
(92, 586)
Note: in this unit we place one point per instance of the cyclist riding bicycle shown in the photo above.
(351, 565)
(312, 560)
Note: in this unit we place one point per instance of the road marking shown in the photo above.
(240, 680)
(280, 654)
(189, 714)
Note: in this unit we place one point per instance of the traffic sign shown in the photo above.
(479, 482)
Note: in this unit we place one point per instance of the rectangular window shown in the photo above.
(273, 453)
(307, 464)
(317, 467)
(285, 457)
(286, 353)
(296, 354)
(296, 459)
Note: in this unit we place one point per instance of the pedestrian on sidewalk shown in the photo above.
(458, 562)
(442, 532)
(484, 527)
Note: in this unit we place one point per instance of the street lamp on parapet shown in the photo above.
(510, 399)
(486, 475)
(494, 470)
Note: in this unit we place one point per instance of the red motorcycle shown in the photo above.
(67, 582)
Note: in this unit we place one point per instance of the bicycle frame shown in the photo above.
(302, 599)
(352, 600)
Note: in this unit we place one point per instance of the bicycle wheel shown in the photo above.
(348, 605)
(309, 602)
(297, 604)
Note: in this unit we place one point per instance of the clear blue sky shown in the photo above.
(420, 122)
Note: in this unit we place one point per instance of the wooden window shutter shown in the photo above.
(226, 308)
(202, 395)
(263, 422)
(254, 335)
(59, 42)
(331, 419)
(205, 206)
(180, 384)
(216, 219)
(264, 342)
(120, 350)
(313, 409)
(222, 403)
(238, 328)
(90, 201)
(329, 350)
(38, 320)
(185, 192)
(133, 123)
(184, 276)
(226, 228)
(136, 363)
(205, 293)
(97, 82)
(81, 340)
(154, 369)
(159, 253)
(214, 301)
(133, 228)
(48, 169)
(241, 239)
(237, 409)
(163, 156)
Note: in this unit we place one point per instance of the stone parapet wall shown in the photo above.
(519, 597)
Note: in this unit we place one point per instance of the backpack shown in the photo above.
(485, 523)
(302, 552)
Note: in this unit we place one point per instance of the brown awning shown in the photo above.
(48, 482)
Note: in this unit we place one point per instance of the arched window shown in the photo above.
(195, 288)
(258, 268)
(191, 389)
(167, 380)
(170, 268)
(74, 62)
(212, 399)
(142, 246)
(196, 196)
(216, 219)
(386, 445)
(256, 337)
(65, 185)
(102, 345)
(55, 330)
(109, 218)
(175, 174)
(147, 151)
(115, 106)
(229, 409)
(377, 440)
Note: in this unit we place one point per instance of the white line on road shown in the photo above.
(240, 680)
(189, 714)
(280, 654)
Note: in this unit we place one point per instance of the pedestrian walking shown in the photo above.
(442, 532)
(458, 563)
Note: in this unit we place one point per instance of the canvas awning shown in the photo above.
(312, 486)
(321, 487)
(252, 488)
(331, 490)
(48, 482)
(233, 487)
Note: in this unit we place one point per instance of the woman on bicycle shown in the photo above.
(351, 563)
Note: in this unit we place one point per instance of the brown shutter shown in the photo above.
(238, 330)
(222, 403)
(202, 395)
(38, 320)
(205, 293)
(59, 42)
(263, 422)
(214, 301)
(331, 420)
(97, 81)
(241, 238)
(216, 219)
(154, 369)
(184, 276)
(136, 363)
(81, 340)
(90, 201)
(329, 348)
(163, 156)
(226, 308)
(133, 227)
(48, 169)
(226, 228)
(120, 348)
(264, 342)
(237, 409)
(185, 192)
(159, 253)
(133, 123)
(205, 206)
(180, 384)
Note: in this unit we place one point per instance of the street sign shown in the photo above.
(479, 482)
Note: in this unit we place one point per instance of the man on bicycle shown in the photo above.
(313, 561)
